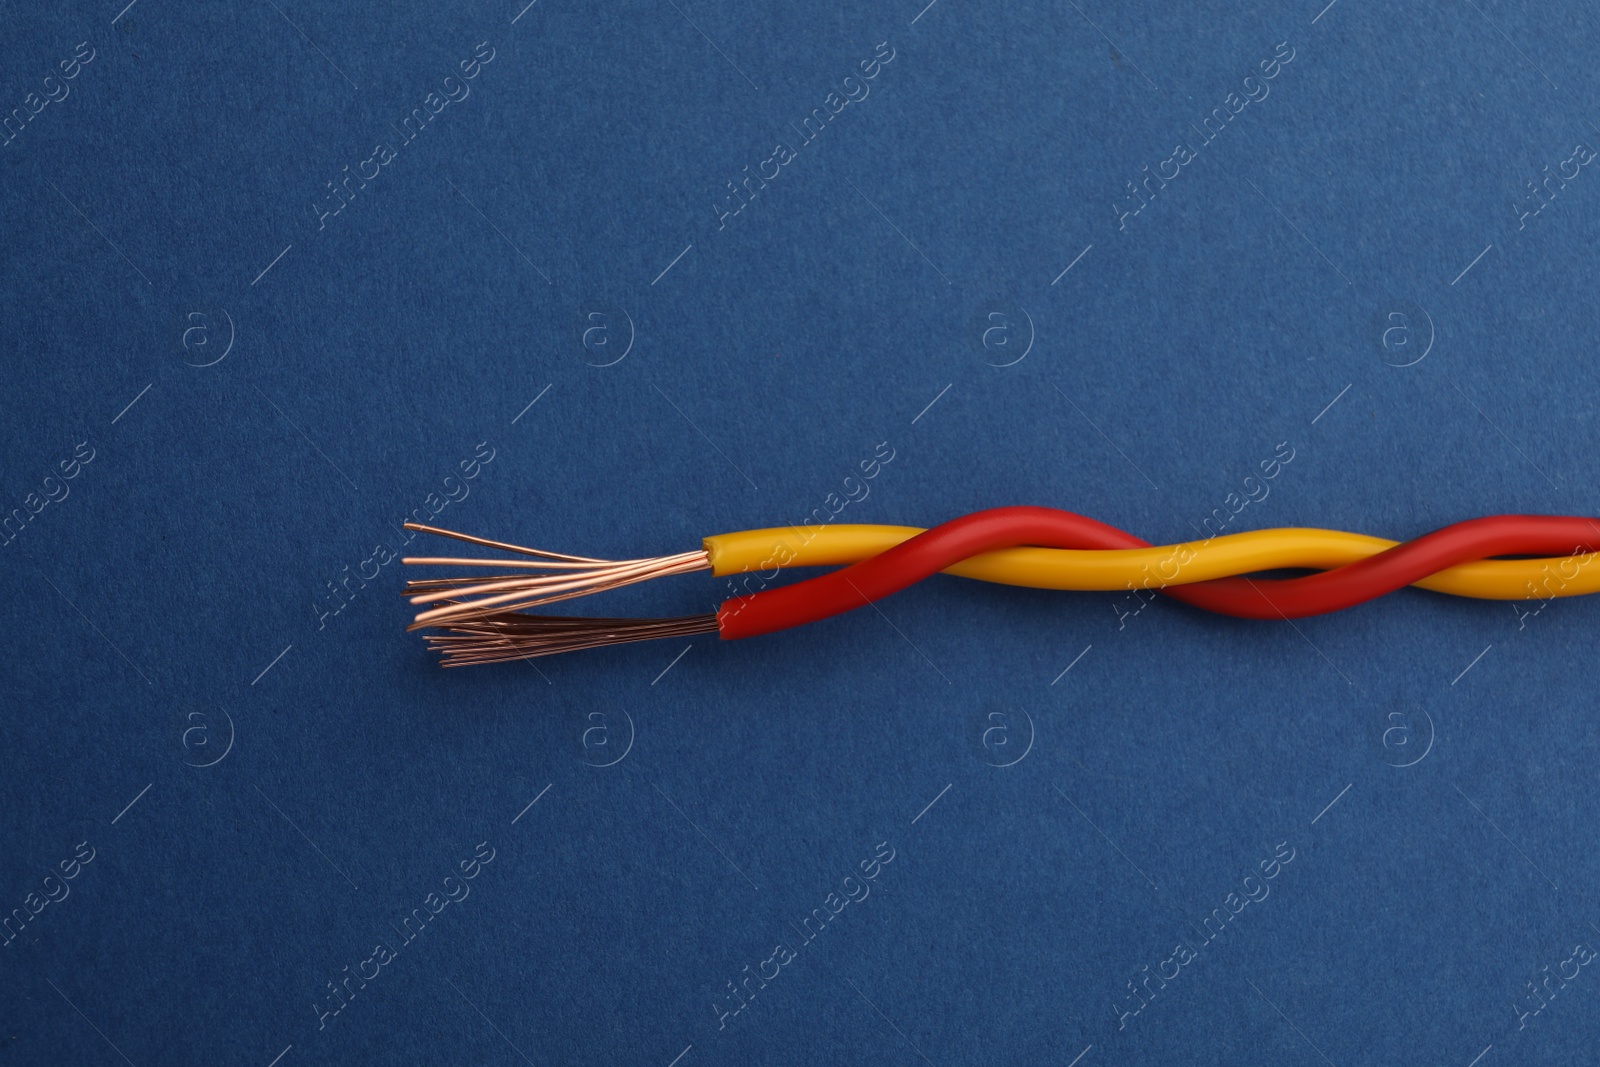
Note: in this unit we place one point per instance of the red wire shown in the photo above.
(932, 551)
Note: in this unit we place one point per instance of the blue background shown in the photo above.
(270, 786)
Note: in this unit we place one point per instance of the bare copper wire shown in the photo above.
(558, 577)
(500, 638)
(498, 544)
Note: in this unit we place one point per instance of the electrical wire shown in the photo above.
(762, 552)
(1028, 546)
(933, 550)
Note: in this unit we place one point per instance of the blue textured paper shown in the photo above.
(608, 278)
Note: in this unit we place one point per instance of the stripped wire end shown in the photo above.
(548, 577)
(500, 638)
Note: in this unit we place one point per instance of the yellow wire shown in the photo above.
(765, 551)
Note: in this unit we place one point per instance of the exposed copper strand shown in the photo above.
(510, 636)
(468, 598)
(498, 544)
(646, 568)
(532, 593)
(490, 561)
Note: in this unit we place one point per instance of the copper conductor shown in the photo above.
(499, 638)
(553, 576)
